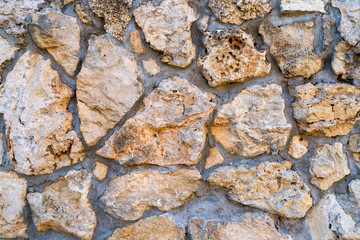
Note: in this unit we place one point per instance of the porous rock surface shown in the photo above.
(346, 61)
(295, 6)
(7, 54)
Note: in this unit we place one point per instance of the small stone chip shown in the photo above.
(136, 44)
(151, 66)
(298, 147)
(100, 170)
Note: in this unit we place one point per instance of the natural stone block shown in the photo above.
(151, 66)
(7, 54)
(346, 61)
(214, 158)
(136, 44)
(100, 170)
(294, 6)
(298, 147)
(354, 187)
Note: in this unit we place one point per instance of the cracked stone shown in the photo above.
(151, 66)
(136, 44)
(293, 6)
(346, 61)
(7, 54)
(214, 158)
(298, 147)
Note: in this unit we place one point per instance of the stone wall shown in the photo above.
(178, 119)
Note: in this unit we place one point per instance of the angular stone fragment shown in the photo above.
(63, 206)
(83, 11)
(130, 195)
(231, 57)
(328, 165)
(298, 147)
(251, 226)
(59, 34)
(7, 54)
(151, 66)
(167, 28)
(346, 61)
(39, 128)
(270, 186)
(254, 122)
(116, 13)
(107, 87)
(354, 187)
(203, 23)
(326, 110)
(154, 228)
(66, 2)
(328, 29)
(239, 11)
(12, 201)
(100, 170)
(292, 6)
(354, 142)
(293, 48)
(214, 158)
(169, 129)
(136, 44)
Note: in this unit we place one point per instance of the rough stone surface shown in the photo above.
(354, 143)
(346, 61)
(7, 54)
(84, 12)
(151, 66)
(354, 187)
(136, 44)
(214, 158)
(231, 57)
(250, 227)
(293, 48)
(170, 128)
(167, 28)
(328, 165)
(328, 25)
(100, 170)
(130, 195)
(38, 125)
(12, 201)
(59, 34)
(326, 109)
(298, 147)
(64, 206)
(239, 11)
(270, 186)
(291, 6)
(154, 228)
(254, 122)
(203, 23)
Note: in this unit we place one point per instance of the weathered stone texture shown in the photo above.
(7, 54)
(354, 187)
(151, 66)
(214, 158)
(12, 201)
(130, 195)
(292, 6)
(293, 48)
(346, 61)
(169, 129)
(100, 170)
(231, 57)
(167, 28)
(64, 206)
(327, 109)
(59, 34)
(239, 11)
(298, 147)
(270, 186)
(84, 12)
(154, 228)
(107, 87)
(354, 143)
(34, 102)
(136, 44)
(254, 122)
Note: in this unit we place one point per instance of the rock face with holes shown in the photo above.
(253, 123)
(293, 48)
(38, 125)
(270, 186)
(239, 11)
(167, 28)
(346, 61)
(298, 147)
(7, 54)
(63, 206)
(295, 6)
(107, 87)
(170, 128)
(231, 57)
(326, 110)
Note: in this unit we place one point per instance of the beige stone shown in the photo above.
(169, 129)
(293, 48)
(298, 147)
(136, 44)
(231, 57)
(151, 66)
(239, 11)
(66, 2)
(7, 54)
(326, 109)
(251, 226)
(346, 61)
(161, 227)
(107, 87)
(130, 195)
(83, 11)
(39, 128)
(167, 28)
(59, 34)
(354, 143)
(12, 201)
(254, 122)
(63, 206)
(270, 186)
(203, 23)
(214, 158)
(293, 6)
(100, 170)
(354, 187)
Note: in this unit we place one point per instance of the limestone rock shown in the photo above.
(328, 165)
(254, 122)
(64, 206)
(354, 187)
(14, 16)
(169, 129)
(154, 228)
(298, 147)
(38, 125)
(7, 53)
(292, 6)
(346, 61)
(350, 20)
(167, 28)
(293, 48)
(327, 109)
(231, 57)
(83, 11)
(203, 23)
(151, 66)
(327, 220)
(328, 29)
(12, 201)
(270, 186)
(59, 34)
(251, 226)
(107, 87)
(116, 13)
(214, 158)
(354, 142)
(239, 11)
(136, 44)
(100, 170)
